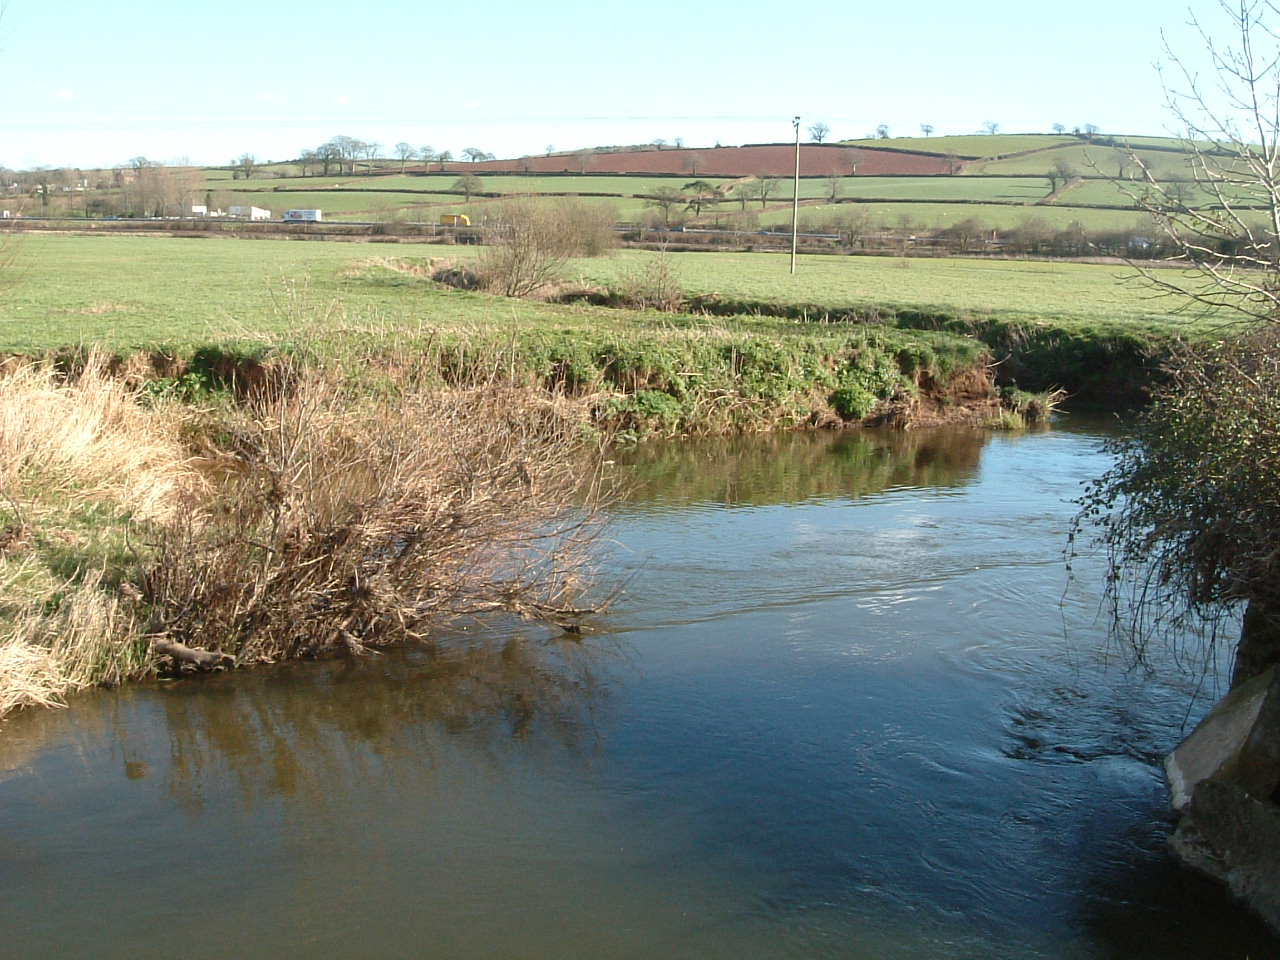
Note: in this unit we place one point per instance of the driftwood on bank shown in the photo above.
(203, 659)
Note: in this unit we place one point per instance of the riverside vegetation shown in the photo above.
(313, 512)
(344, 453)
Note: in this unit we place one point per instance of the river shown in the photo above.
(848, 705)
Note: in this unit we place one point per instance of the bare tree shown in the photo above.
(991, 127)
(882, 132)
(853, 224)
(1231, 132)
(835, 184)
(329, 154)
(926, 129)
(700, 193)
(1060, 173)
(246, 164)
(818, 131)
(767, 186)
(468, 185)
(666, 199)
(404, 153)
(307, 160)
(474, 154)
(1059, 128)
(426, 154)
(347, 150)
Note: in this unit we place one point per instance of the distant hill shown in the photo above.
(752, 160)
(1013, 154)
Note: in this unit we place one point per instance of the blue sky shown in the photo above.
(86, 83)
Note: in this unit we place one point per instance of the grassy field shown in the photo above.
(924, 217)
(135, 291)
(1087, 159)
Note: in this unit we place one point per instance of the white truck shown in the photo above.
(302, 216)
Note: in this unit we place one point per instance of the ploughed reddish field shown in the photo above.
(756, 160)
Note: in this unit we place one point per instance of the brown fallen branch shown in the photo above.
(203, 659)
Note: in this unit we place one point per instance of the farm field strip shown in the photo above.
(937, 216)
(971, 146)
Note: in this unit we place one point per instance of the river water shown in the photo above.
(848, 705)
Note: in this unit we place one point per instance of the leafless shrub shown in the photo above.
(348, 520)
(535, 238)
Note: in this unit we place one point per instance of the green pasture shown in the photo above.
(969, 147)
(135, 291)
(1097, 191)
(970, 189)
(129, 292)
(938, 216)
(1081, 293)
(1086, 159)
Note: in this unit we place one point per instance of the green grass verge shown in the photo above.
(177, 295)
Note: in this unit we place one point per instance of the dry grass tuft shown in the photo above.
(87, 639)
(88, 441)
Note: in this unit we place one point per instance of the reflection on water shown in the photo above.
(847, 707)
(792, 468)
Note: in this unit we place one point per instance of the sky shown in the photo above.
(90, 84)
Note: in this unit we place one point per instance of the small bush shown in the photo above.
(867, 378)
(652, 284)
(534, 240)
(643, 413)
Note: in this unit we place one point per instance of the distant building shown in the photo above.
(250, 213)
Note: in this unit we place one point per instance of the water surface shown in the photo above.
(847, 706)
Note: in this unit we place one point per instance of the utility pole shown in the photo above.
(795, 199)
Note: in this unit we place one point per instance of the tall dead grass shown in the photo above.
(87, 441)
(79, 460)
(325, 513)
